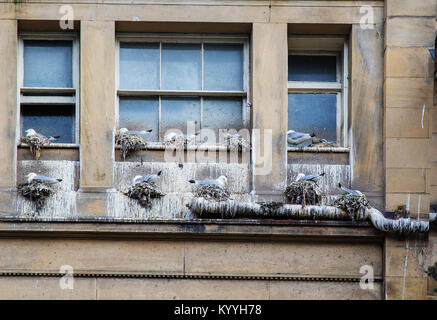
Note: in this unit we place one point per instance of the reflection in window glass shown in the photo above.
(223, 67)
(313, 113)
(49, 121)
(222, 113)
(176, 111)
(140, 114)
(312, 68)
(48, 63)
(139, 66)
(181, 66)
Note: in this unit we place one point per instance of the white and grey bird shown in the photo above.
(153, 178)
(125, 130)
(43, 179)
(296, 138)
(352, 192)
(32, 133)
(312, 177)
(221, 181)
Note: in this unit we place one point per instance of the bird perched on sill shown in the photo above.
(42, 179)
(295, 138)
(32, 133)
(126, 131)
(352, 192)
(312, 177)
(221, 181)
(150, 178)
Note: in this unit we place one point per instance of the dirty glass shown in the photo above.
(181, 66)
(222, 113)
(48, 63)
(176, 111)
(312, 68)
(55, 120)
(139, 66)
(140, 114)
(313, 113)
(223, 68)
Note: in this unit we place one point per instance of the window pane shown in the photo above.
(222, 114)
(49, 121)
(223, 67)
(48, 63)
(139, 65)
(313, 113)
(176, 111)
(181, 66)
(140, 114)
(312, 68)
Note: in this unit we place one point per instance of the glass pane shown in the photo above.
(312, 68)
(140, 114)
(48, 63)
(139, 66)
(49, 121)
(222, 114)
(223, 67)
(176, 111)
(181, 66)
(313, 113)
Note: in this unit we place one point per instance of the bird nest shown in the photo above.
(354, 205)
(144, 192)
(235, 143)
(179, 142)
(129, 143)
(37, 192)
(35, 143)
(304, 193)
(212, 192)
(270, 208)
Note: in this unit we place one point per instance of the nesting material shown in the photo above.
(236, 143)
(355, 205)
(304, 193)
(212, 192)
(37, 192)
(179, 142)
(36, 142)
(129, 143)
(144, 192)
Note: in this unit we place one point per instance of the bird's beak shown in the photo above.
(226, 182)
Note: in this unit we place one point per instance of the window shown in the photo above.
(317, 86)
(166, 81)
(48, 78)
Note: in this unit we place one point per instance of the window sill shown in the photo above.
(159, 146)
(319, 149)
(54, 146)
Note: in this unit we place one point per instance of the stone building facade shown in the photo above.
(380, 103)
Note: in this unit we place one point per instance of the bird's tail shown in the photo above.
(150, 130)
(192, 181)
(339, 185)
(159, 173)
(59, 180)
(312, 135)
(322, 174)
(54, 138)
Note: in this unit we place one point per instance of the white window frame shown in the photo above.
(50, 100)
(184, 38)
(332, 46)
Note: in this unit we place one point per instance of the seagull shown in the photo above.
(347, 191)
(32, 133)
(153, 178)
(312, 177)
(296, 138)
(125, 130)
(34, 177)
(221, 181)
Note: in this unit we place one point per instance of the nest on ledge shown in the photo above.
(179, 142)
(354, 205)
(144, 192)
(129, 143)
(37, 192)
(304, 193)
(36, 142)
(236, 143)
(212, 192)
